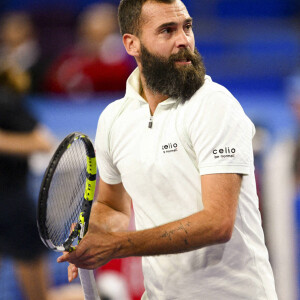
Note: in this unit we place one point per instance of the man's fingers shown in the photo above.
(68, 256)
(63, 258)
(72, 272)
(74, 257)
(71, 256)
(84, 262)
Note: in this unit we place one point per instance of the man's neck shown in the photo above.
(152, 98)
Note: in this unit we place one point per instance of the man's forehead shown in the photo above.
(157, 13)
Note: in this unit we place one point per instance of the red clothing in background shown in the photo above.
(78, 72)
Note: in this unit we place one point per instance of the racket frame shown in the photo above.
(80, 228)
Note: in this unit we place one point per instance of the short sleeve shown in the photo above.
(107, 170)
(221, 135)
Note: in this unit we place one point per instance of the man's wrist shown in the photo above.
(124, 244)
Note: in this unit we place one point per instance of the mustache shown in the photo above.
(183, 54)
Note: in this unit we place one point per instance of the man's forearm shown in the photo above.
(194, 232)
(106, 218)
(100, 246)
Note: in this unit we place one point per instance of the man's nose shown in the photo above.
(182, 40)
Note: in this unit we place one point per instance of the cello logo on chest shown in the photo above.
(170, 147)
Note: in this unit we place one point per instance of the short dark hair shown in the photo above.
(130, 14)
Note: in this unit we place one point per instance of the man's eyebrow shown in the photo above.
(188, 20)
(170, 24)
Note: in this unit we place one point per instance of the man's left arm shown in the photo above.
(212, 225)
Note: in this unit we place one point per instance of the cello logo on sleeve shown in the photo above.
(224, 152)
(170, 147)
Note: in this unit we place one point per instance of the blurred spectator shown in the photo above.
(279, 189)
(97, 62)
(20, 51)
(294, 97)
(18, 231)
(20, 136)
(293, 94)
(293, 89)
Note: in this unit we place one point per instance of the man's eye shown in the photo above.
(188, 26)
(167, 30)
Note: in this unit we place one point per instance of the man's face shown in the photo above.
(166, 28)
(168, 59)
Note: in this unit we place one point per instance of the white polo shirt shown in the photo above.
(160, 168)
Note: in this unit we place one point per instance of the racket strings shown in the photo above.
(66, 193)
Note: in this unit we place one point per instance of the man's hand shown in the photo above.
(95, 250)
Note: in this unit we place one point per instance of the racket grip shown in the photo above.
(88, 283)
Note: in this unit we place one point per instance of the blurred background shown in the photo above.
(65, 61)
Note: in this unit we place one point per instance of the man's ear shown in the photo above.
(132, 44)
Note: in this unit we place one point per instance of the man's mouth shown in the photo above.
(184, 61)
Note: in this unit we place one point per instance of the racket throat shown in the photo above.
(67, 245)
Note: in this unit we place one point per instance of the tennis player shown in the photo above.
(179, 146)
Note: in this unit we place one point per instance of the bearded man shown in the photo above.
(179, 148)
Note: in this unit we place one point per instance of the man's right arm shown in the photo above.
(112, 209)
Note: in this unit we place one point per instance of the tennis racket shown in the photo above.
(65, 200)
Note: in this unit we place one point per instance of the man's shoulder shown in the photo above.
(210, 93)
(106, 119)
(112, 109)
(210, 87)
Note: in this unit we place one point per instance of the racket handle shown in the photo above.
(88, 283)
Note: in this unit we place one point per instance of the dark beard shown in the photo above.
(164, 77)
